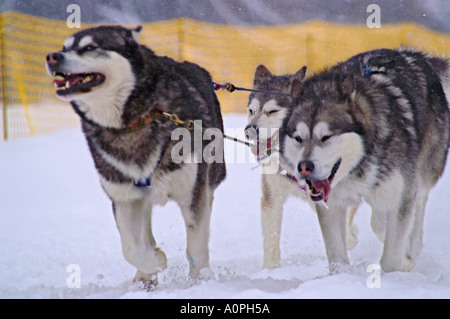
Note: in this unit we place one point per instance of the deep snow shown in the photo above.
(54, 213)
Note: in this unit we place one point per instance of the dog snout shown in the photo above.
(251, 131)
(54, 58)
(305, 168)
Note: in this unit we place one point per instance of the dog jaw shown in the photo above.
(104, 104)
(333, 162)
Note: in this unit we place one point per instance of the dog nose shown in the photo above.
(54, 58)
(305, 168)
(251, 131)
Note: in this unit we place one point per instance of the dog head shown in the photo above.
(266, 112)
(96, 70)
(323, 139)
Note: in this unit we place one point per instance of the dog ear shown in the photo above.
(296, 89)
(261, 74)
(348, 86)
(359, 104)
(299, 75)
(136, 32)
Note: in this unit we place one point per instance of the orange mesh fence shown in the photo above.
(230, 53)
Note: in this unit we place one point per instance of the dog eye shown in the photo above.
(250, 111)
(87, 48)
(325, 138)
(298, 139)
(273, 111)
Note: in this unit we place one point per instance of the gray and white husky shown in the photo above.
(380, 134)
(120, 89)
(265, 115)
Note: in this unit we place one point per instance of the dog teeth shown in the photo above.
(64, 83)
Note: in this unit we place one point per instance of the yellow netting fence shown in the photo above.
(230, 53)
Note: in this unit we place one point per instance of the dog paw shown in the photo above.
(271, 264)
(405, 264)
(148, 261)
(204, 273)
(339, 267)
(147, 282)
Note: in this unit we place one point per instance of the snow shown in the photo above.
(54, 214)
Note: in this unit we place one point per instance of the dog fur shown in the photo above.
(375, 127)
(113, 82)
(265, 114)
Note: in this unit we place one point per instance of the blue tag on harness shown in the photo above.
(368, 70)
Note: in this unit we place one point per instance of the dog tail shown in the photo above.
(442, 67)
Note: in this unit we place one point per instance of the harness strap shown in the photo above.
(294, 179)
(231, 88)
(145, 121)
(158, 113)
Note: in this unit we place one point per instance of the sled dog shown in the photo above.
(265, 114)
(123, 92)
(380, 134)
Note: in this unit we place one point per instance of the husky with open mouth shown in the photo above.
(381, 135)
(265, 114)
(126, 96)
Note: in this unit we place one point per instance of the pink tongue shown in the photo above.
(74, 79)
(322, 186)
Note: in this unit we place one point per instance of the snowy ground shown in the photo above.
(53, 214)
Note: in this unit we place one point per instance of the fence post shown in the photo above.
(309, 51)
(3, 76)
(180, 31)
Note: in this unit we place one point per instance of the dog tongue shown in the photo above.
(322, 186)
(73, 80)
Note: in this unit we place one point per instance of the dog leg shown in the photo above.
(197, 233)
(133, 220)
(378, 224)
(271, 217)
(416, 237)
(352, 229)
(333, 225)
(398, 231)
